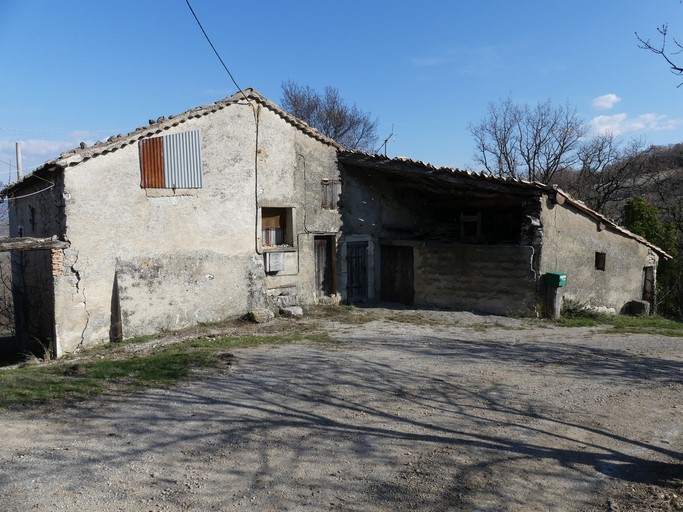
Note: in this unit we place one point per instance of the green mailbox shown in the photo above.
(556, 279)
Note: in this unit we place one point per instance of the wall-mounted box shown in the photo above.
(556, 279)
(275, 261)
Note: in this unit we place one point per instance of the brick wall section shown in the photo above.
(57, 262)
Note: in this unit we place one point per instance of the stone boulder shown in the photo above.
(261, 315)
(292, 312)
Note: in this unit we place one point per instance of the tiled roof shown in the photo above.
(83, 153)
(406, 165)
(363, 159)
(155, 127)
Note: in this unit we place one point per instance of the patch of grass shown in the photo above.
(484, 326)
(582, 321)
(348, 314)
(413, 319)
(624, 324)
(112, 367)
(137, 340)
(572, 308)
(647, 325)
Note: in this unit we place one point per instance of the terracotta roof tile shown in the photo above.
(157, 126)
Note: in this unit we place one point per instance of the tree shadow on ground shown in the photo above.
(421, 435)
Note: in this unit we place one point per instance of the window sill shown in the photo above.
(170, 192)
(278, 248)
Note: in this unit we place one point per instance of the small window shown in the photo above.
(171, 161)
(276, 226)
(470, 227)
(331, 190)
(600, 258)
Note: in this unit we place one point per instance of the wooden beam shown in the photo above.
(31, 244)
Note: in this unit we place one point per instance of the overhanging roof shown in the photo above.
(419, 172)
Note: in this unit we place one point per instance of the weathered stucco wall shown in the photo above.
(37, 212)
(571, 240)
(142, 260)
(291, 169)
(493, 279)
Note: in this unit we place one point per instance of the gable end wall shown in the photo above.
(571, 239)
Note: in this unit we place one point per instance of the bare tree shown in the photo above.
(329, 114)
(664, 49)
(532, 143)
(665, 185)
(611, 172)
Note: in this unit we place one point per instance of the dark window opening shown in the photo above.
(276, 226)
(470, 227)
(600, 258)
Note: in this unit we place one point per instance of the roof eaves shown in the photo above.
(580, 205)
(84, 153)
(358, 157)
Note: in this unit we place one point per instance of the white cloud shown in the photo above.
(618, 124)
(606, 101)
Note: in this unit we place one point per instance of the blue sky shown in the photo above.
(78, 70)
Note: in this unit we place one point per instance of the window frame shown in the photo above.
(330, 191)
(276, 228)
(600, 261)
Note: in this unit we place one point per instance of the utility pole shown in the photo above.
(18, 147)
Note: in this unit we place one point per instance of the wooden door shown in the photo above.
(357, 271)
(324, 265)
(397, 274)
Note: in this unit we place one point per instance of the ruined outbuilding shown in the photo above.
(238, 206)
(455, 239)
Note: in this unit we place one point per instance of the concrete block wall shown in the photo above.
(493, 279)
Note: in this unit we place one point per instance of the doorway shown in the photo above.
(325, 266)
(397, 274)
(357, 271)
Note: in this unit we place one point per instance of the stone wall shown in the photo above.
(570, 243)
(492, 279)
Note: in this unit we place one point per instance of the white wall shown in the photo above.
(193, 255)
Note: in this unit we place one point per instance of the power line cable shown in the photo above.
(215, 51)
(32, 193)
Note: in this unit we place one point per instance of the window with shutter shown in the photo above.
(171, 161)
(330, 192)
(276, 224)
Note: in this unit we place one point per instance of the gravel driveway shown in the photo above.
(441, 411)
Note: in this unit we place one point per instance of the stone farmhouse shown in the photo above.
(238, 205)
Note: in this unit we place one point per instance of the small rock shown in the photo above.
(292, 312)
(261, 315)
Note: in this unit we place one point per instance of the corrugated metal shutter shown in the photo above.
(183, 160)
(152, 163)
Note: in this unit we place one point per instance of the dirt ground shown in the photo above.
(437, 411)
